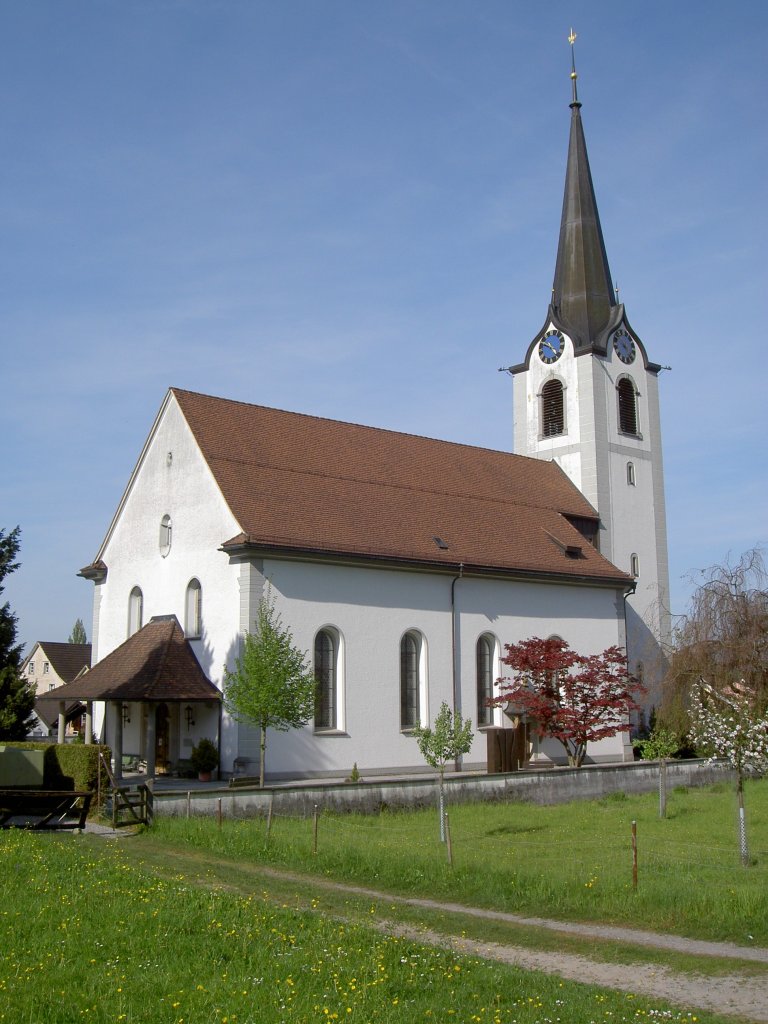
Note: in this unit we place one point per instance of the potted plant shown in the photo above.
(205, 757)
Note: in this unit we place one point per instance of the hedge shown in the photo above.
(69, 765)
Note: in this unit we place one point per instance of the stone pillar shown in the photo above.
(62, 722)
(151, 740)
(117, 738)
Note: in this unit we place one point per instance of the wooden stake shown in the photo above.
(448, 839)
(189, 804)
(314, 838)
(269, 818)
(218, 812)
(634, 855)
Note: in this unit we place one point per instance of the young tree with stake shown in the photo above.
(271, 687)
(450, 739)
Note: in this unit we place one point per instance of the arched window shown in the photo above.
(634, 565)
(135, 611)
(193, 612)
(552, 409)
(166, 535)
(411, 679)
(631, 474)
(326, 679)
(627, 406)
(486, 649)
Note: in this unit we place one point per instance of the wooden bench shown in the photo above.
(41, 809)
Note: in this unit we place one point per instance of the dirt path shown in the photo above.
(739, 995)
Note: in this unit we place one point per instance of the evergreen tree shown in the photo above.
(17, 698)
(77, 636)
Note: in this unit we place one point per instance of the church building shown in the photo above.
(401, 564)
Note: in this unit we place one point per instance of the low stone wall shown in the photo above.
(540, 786)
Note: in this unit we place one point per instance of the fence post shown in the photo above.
(634, 855)
(218, 812)
(189, 804)
(314, 831)
(663, 788)
(448, 840)
(269, 817)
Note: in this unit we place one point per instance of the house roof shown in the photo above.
(155, 664)
(67, 660)
(47, 709)
(305, 485)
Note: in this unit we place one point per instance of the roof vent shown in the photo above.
(440, 543)
(573, 551)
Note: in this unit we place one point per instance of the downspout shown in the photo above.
(628, 593)
(455, 674)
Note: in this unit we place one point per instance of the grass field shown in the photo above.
(86, 935)
(569, 861)
(195, 935)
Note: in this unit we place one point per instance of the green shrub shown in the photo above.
(205, 756)
(68, 765)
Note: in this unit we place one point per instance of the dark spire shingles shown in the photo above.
(582, 294)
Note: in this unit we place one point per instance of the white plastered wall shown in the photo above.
(372, 609)
(172, 478)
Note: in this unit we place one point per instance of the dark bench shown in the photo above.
(44, 808)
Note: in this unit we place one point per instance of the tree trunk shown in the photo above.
(262, 755)
(742, 821)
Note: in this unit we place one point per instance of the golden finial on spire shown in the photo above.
(574, 76)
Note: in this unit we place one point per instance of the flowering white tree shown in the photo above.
(727, 726)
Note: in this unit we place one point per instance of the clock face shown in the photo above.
(625, 347)
(551, 347)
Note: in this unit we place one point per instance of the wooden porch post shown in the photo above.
(89, 721)
(62, 722)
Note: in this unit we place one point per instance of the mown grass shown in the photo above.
(572, 862)
(87, 936)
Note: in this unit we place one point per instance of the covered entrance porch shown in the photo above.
(158, 702)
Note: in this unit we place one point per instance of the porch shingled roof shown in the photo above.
(155, 664)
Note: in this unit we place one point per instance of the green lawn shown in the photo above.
(86, 935)
(569, 861)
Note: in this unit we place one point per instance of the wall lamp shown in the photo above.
(126, 713)
(190, 714)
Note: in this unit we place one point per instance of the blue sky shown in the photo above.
(351, 209)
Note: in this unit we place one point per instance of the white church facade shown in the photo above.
(401, 564)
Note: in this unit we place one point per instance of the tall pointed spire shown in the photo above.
(582, 294)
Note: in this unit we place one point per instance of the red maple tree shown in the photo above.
(573, 698)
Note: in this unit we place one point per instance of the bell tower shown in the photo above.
(586, 396)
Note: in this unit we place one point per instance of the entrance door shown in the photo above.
(162, 739)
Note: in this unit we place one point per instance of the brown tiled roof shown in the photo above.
(303, 484)
(67, 660)
(155, 664)
(47, 709)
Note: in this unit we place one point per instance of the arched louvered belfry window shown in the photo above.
(552, 409)
(627, 406)
(486, 647)
(326, 690)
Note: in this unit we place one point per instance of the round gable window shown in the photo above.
(166, 533)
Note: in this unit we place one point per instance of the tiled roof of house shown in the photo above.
(303, 484)
(155, 664)
(67, 660)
